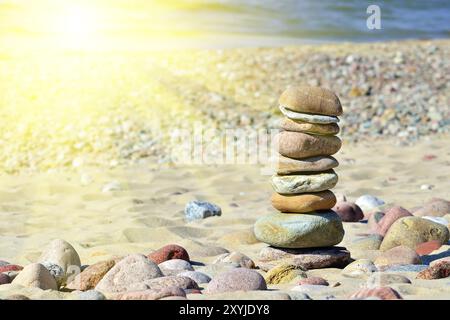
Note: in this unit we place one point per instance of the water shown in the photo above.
(325, 20)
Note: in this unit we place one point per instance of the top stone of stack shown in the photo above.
(313, 100)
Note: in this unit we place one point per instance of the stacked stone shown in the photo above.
(305, 172)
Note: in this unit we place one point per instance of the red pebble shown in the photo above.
(10, 267)
(390, 216)
(171, 251)
(436, 271)
(348, 211)
(427, 247)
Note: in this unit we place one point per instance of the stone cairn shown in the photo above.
(304, 173)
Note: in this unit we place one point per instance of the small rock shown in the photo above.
(171, 281)
(174, 266)
(426, 187)
(36, 275)
(129, 274)
(284, 273)
(382, 279)
(390, 216)
(359, 268)
(368, 202)
(4, 279)
(317, 281)
(239, 279)
(236, 257)
(197, 276)
(348, 211)
(438, 270)
(200, 210)
(427, 247)
(91, 276)
(62, 253)
(10, 267)
(400, 255)
(171, 251)
(383, 293)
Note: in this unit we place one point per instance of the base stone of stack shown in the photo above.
(315, 229)
(308, 258)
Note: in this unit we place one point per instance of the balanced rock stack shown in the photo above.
(305, 172)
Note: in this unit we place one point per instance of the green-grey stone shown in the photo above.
(307, 117)
(303, 183)
(290, 230)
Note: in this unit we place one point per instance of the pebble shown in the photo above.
(436, 207)
(308, 258)
(91, 276)
(320, 229)
(284, 273)
(310, 118)
(312, 128)
(368, 202)
(303, 183)
(359, 268)
(383, 293)
(36, 275)
(174, 266)
(348, 211)
(427, 247)
(236, 257)
(4, 279)
(382, 279)
(171, 251)
(129, 275)
(390, 216)
(304, 203)
(91, 295)
(298, 145)
(438, 270)
(317, 281)
(400, 255)
(195, 210)
(411, 231)
(287, 165)
(171, 281)
(152, 294)
(239, 279)
(10, 267)
(197, 276)
(61, 253)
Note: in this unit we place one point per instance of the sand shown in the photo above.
(146, 210)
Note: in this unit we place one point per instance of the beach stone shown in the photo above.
(285, 165)
(438, 270)
(4, 279)
(390, 216)
(382, 279)
(316, 281)
(303, 203)
(309, 258)
(398, 255)
(368, 202)
(427, 247)
(318, 229)
(36, 275)
(371, 242)
(198, 277)
(239, 279)
(406, 268)
(306, 117)
(240, 237)
(300, 145)
(307, 182)
(312, 128)
(310, 99)
(373, 220)
(174, 266)
(61, 253)
(359, 268)
(195, 210)
(383, 293)
(10, 267)
(56, 271)
(435, 207)
(348, 211)
(151, 294)
(411, 231)
(215, 269)
(168, 252)
(91, 295)
(171, 281)
(284, 273)
(129, 274)
(91, 276)
(236, 257)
